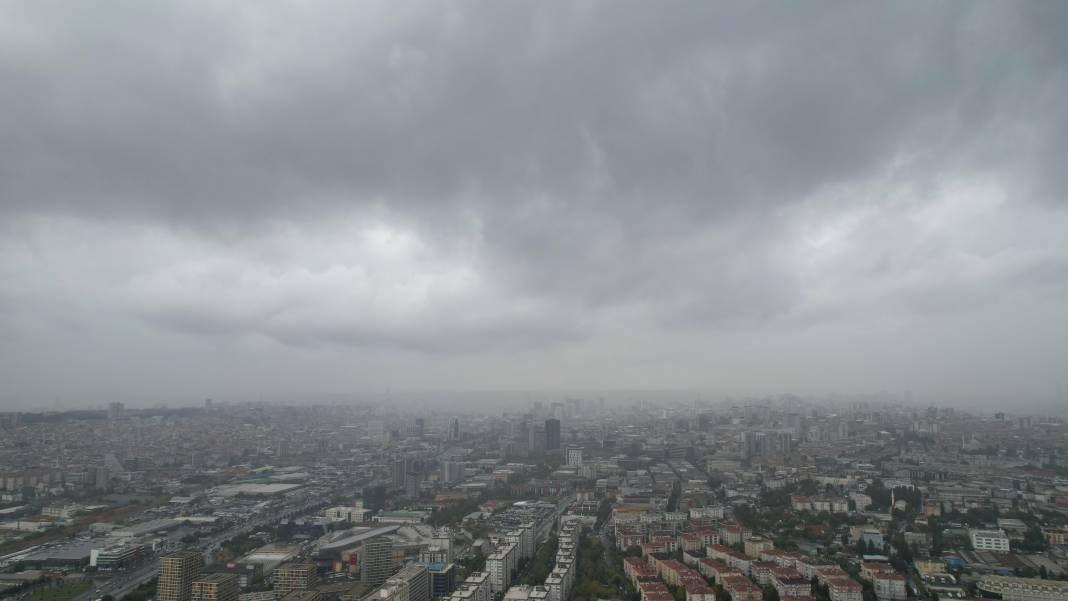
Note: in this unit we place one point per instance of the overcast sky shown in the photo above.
(225, 199)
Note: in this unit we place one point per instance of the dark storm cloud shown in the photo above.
(487, 176)
(203, 112)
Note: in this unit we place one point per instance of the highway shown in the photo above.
(122, 583)
(125, 582)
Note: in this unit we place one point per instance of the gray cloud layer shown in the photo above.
(212, 198)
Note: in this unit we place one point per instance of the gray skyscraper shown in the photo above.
(451, 472)
(552, 434)
(400, 472)
(785, 443)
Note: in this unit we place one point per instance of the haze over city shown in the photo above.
(249, 201)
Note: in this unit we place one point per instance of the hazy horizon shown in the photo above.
(203, 199)
(503, 401)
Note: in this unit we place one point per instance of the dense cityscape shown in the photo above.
(577, 500)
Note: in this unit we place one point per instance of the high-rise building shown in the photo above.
(376, 560)
(552, 434)
(705, 421)
(295, 577)
(451, 472)
(785, 443)
(419, 426)
(215, 587)
(116, 410)
(536, 438)
(400, 472)
(500, 564)
(454, 428)
(177, 572)
(442, 579)
(412, 482)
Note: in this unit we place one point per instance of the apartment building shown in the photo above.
(216, 587)
(295, 577)
(177, 572)
(990, 540)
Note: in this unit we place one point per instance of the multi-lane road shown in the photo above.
(125, 582)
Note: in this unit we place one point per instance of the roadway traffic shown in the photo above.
(123, 583)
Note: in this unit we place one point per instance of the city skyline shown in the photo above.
(573, 500)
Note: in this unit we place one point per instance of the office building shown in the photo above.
(454, 428)
(552, 434)
(215, 587)
(442, 579)
(177, 572)
(536, 438)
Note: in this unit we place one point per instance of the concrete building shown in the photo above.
(452, 472)
(889, 586)
(552, 434)
(215, 587)
(574, 456)
(413, 581)
(1012, 588)
(177, 572)
(376, 561)
(115, 556)
(295, 577)
(442, 579)
(400, 473)
(475, 588)
(500, 565)
(990, 540)
(845, 589)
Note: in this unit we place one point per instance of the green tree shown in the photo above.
(374, 497)
(1034, 541)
